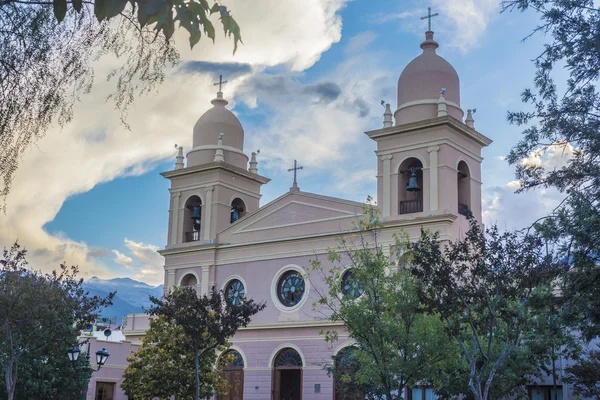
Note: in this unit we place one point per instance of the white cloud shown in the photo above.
(554, 156)
(122, 259)
(360, 42)
(145, 262)
(95, 148)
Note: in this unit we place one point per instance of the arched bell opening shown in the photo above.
(233, 373)
(345, 367)
(189, 280)
(410, 186)
(192, 219)
(238, 209)
(287, 375)
(463, 188)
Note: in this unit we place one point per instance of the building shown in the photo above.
(221, 237)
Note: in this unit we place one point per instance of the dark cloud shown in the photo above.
(326, 92)
(268, 84)
(97, 253)
(362, 107)
(228, 70)
(42, 252)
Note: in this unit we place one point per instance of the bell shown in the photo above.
(413, 185)
(196, 213)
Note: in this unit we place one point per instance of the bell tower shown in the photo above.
(429, 160)
(216, 187)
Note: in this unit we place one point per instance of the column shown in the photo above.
(387, 192)
(205, 278)
(174, 211)
(208, 214)
(433, 177)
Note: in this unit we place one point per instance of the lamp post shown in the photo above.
(101, 357)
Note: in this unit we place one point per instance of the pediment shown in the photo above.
(294, 215)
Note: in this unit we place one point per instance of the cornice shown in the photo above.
(215, 166)
(429, 123)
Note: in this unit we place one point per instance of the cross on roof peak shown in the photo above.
(220, 83)
(428, 17)
(295, 187)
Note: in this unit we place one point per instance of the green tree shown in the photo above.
(482, 287)
(164, 366)
(585, 375)
(396, 344)
(41, 316)
(565, 117)
(46, 66)
(208, 321)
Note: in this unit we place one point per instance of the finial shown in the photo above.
(253, 163)
(428, 18)
(442, 109)
(179, 158)
(219, 156)
(219, 99)
(469, 121)
(295, 187)
(387, 117)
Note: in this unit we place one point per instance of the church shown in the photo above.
(428, 157)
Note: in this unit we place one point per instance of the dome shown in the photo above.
(207, 130)
(421, 82)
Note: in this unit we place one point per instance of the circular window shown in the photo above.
(235, 292)
(351, 286)
(290, 288)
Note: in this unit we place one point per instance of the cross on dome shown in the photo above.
(428, 17)
(220, 83)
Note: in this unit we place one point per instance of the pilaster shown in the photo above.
(174, 211)
(386, 201)
(433, 177)
(208, 215)
(205, 279)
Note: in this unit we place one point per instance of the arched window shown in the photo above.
(189, 280)
(236, 362)
(464, 188)
(238, 209)
(410, 186)
(351, 286)
(192, 217)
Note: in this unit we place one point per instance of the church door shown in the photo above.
(287, 375)
(233, 373)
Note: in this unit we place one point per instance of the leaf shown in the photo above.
(148, 11)
(114, 8)
(100, 10)
(60, 9)
(77, 5)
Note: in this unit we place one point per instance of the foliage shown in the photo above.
(51, 376)
(207, 321)
(164, 366)
(46, 66)
(482, 286)
(40, 315)
(585, 376)
(566, 118)
(396, 344)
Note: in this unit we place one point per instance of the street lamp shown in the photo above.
(101, 355)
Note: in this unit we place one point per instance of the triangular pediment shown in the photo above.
(293, 215)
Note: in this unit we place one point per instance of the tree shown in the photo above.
(46, 66)
(41, 315)
(482, 286)
(164, 365)
(396, 344)
(585, 376)
(208, 320)
(565, 120)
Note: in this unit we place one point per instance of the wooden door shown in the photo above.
(235, 383)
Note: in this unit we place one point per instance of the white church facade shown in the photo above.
(428, 157)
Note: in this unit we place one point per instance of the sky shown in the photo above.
(306, 84)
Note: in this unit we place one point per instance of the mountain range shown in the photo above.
(131, 298)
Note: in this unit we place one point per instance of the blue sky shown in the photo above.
(305, 85)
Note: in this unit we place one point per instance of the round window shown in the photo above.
(290, 288)
(235, 292)
(351, 286)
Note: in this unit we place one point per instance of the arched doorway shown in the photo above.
(287, 375)
(233, 372)
(345, 366)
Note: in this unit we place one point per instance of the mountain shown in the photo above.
(130, 298)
